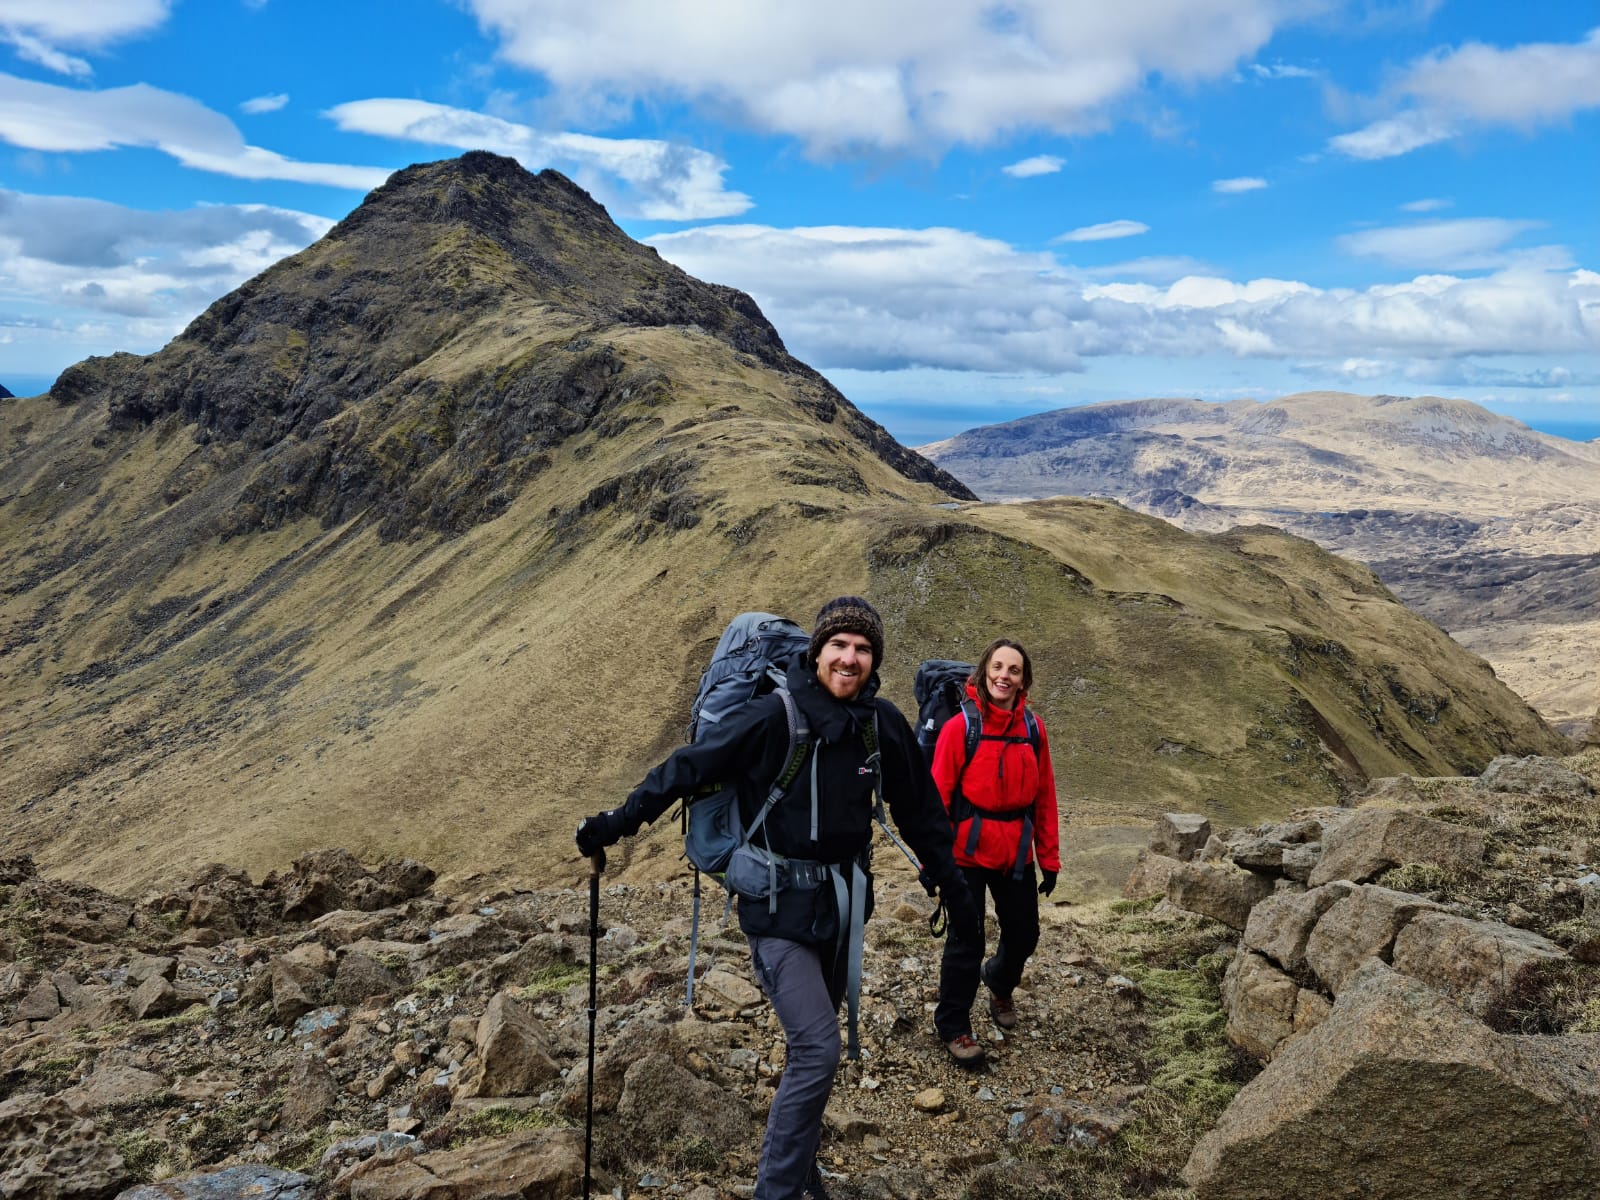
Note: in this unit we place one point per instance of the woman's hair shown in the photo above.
(980, 673)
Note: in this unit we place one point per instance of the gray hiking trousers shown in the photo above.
(806, 999)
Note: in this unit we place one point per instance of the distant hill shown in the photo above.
(415, 544)
(1485, 526)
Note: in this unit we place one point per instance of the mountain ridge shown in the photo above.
(1479, 522)
(436, 583)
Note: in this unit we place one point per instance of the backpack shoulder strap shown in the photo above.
(799, 745)
(974, 720)
(1033, 731)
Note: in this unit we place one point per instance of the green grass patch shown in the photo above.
(1421, 879)
(500, 1120)
(146, 1158)
(556, 977)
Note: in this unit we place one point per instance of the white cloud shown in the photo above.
(31, 49)
(96, 276)
(895, 75)
(37, 31)
(1039, 164)
(1245, 183)
(1430, 204)
(265, 104)
(1448, 91)
(42, 116)
(887, 299)
(1105, 231)
(1470, 244)
(1281, 71)
(635, 176)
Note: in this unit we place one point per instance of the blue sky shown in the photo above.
(960, 212)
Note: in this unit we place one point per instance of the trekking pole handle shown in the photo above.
(597, 864)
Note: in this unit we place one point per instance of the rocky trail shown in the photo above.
(341, 1030)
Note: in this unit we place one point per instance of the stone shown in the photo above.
(457, 939)
(1280, 925)
(309, 1094)
(1533, 776)
(359, 977)
(1260, 1001)
(299, 980)
(535, 1164)
(1363, 925)
(929, 1100)
(1217, 890)
(512, 1058)
(1150, 875)
(146, 966)
(1399, 1093)
(1373, 840)
(1180, 835)
(662, 1101)
(113, 1084)
(230, 1183)
(40, 1004)
(48, 1152)
(719, 988)
(343, 926)
(155, 997)
(522, 965)
(1475, 962)
(849, 1126)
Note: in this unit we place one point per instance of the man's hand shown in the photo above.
(1047, 882)
(601, 830)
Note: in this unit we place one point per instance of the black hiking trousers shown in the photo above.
(1016, 910)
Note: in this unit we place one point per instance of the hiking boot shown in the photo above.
(1002, 1009)
(965, 1050)
(814, 1189)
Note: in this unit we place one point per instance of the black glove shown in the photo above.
(926, 880)
(1047, 882)
(602, 830)
(961, 908)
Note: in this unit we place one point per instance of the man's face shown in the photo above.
(844, 664)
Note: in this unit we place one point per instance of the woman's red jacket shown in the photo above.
(1002, 777)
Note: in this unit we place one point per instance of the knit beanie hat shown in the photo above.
(847, 614)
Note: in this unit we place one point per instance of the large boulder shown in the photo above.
(1281, 925)
(1151, 874)
(230, 1183)
(48, 1152)
(1400, 1095)
(1180, 835)
(1533, 776)
(1363, 925)
(1373, 840)
(1217, 890)
(1476, 962)
(513, 1056)
(1260, 1001)
(536, 1164)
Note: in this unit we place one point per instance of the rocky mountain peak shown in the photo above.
(425, 356)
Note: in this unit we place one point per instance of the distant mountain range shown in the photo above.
(1486, 526)
(415, 544)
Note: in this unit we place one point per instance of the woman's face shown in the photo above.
(1003, 677)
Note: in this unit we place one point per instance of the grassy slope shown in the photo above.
(169, 697)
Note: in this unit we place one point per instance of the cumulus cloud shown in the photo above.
(887, 299)
(1039, 164)
(43, 116)
(66, 261)
(38, 31)
(1245, 183)
(1105, 231)
(265, 104)
(1281, 71)
(1445, 92)
(894, 75)
(636, 176)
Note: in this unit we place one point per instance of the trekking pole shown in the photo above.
(597, 864)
